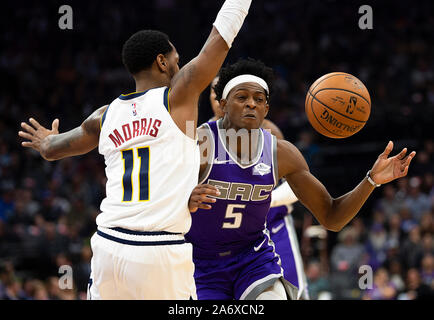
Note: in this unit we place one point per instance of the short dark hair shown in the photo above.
(244, 66)
(142, 48)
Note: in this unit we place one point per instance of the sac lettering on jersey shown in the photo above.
(245, 191)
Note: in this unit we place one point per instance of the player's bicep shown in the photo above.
(77, 141)
(308, 189)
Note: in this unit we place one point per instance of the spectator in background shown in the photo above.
(402, 190)
(318, 283)
(427, 270)
(412, 250)
(6, 204)
(395, 271)
(389, 203)
(427, 243)
(383, 288)
(394, 232)
(427, 223)
(346, 258)
(417, 202)
(82, 272)
(416, 289)
(376, 245)
(407, 221)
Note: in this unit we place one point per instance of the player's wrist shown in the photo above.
(371, 179)
(230, 19)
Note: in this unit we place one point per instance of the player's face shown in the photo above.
(246, 106)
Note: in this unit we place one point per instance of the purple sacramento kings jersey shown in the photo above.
(237, 219)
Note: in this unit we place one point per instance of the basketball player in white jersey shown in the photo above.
(152, 163)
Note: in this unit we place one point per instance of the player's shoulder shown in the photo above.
(270, 126)
(289, 155)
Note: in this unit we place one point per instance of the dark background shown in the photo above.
(48, 210)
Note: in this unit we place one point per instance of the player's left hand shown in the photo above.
(200, 196)
(387, 169)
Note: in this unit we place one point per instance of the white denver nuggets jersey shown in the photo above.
(151, 165)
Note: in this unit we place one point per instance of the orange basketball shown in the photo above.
(338, 105)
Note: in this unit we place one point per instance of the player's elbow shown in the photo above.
(48, 155)
(332, 224)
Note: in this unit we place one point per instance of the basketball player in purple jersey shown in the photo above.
(233, 255)
(279, 219)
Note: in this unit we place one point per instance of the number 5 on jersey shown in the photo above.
(142, 156)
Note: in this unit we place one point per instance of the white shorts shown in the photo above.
(131, 265)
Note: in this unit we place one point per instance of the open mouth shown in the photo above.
(249, 116)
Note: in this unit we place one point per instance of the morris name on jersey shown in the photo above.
(142, 127)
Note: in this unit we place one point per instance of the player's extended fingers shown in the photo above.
(387, 151)
(205, 198)
(209, 190)
(35, 123)
(404, 172)
(28, 128)
(27, 144)
(409, 158)
(204, 206)
(25, 135)
(401, 155)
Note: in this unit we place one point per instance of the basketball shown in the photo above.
(338, 105)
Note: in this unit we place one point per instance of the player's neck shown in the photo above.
(146, 80)
(244, 142)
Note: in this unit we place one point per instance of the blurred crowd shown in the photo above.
(48, 209)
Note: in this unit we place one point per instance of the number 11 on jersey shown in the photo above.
(128, 156)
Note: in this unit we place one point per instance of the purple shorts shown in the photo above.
(242, 276)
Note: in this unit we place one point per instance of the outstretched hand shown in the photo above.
(36, 133)
(200, 195)
(388, 169)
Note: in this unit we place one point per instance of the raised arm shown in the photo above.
(194, 77)
(54, 146)
(335, 213)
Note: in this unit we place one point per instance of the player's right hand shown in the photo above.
(36, 133)
(201, 195)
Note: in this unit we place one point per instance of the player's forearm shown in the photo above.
(346, 207)
(68, 144)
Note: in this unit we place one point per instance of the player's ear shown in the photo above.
(223, 103)
(267, 108)
(162, 63)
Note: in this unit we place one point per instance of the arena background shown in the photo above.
(48, 209)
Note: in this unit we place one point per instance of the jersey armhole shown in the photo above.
(166, 101)
(103, 117)
(274, 160)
